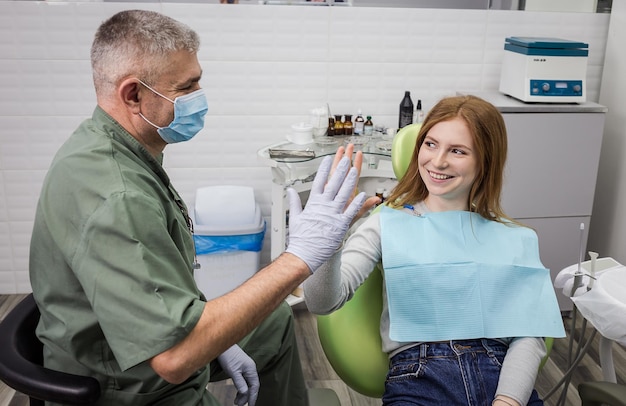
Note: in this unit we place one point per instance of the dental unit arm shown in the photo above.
(584, 284)
(577, 282)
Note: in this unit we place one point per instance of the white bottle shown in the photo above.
(418, 117)
(359, 123)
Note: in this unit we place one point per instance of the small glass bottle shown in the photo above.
(359, 123)
(368, 127)
(371, 161)
(338, 125)
(348, 127)
(331, 126)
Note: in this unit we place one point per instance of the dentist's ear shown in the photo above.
(129, 92)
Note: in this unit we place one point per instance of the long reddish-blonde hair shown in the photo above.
(490, 146)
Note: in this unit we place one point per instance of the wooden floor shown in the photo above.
(319, 373)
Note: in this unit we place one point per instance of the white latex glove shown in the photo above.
(317, 231)
(242, 370)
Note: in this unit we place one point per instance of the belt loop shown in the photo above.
(454, 347)
(423, 350)
(486, 346)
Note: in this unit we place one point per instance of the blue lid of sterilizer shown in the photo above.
(546, 46)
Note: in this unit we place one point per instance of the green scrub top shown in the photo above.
(111, 266)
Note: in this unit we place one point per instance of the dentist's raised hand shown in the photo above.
(317, 231)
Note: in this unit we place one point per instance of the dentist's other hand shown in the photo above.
(242, 370)
(317, 231)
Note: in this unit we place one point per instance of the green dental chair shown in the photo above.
(350, 336)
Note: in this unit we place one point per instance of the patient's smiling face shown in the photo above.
(447, 165)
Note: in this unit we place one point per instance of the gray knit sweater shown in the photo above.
(335, 282)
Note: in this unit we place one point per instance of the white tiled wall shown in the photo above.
(264, 68)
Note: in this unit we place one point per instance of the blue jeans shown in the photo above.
(464, 372)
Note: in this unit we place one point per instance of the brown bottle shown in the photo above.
(368, 127)
(347, 125)
(338, 125)
(331, 126)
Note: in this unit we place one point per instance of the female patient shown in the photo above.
(466, 300)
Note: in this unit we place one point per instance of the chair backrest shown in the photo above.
(350, 336)
(351, 339)
(21, 361)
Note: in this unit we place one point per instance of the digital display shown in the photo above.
(560, 85)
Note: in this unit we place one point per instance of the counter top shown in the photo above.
(322, 146)
(508, 104)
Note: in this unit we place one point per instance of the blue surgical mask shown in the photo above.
(189, 112)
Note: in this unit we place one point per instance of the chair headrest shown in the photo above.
(402, 148)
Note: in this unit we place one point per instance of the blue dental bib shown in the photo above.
(456, 275)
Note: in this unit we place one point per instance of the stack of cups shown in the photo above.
(301, 134)
(319, 120)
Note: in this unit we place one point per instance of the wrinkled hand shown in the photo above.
(317, 231)
(242, 370)
(372, 201)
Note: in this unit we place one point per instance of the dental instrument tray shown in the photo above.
(290, 153)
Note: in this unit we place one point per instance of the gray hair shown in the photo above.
(136, 43)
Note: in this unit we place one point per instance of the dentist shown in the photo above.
(112, 255)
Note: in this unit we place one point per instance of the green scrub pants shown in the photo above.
(273, 347)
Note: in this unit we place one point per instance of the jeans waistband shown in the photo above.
(451, 348)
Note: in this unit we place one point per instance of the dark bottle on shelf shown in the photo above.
(368, 127)
(347, 125)
(331, 126)
(406, 110)
(338, 125)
